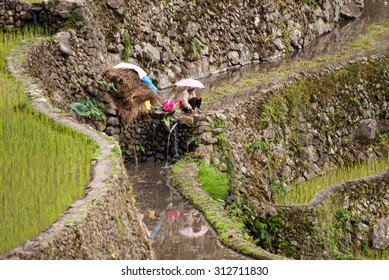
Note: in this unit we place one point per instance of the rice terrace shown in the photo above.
(283, 153)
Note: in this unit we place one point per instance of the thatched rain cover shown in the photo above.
(132, 94)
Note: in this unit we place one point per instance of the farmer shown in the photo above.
(189, 101)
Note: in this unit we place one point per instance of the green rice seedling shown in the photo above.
(304, 192)
(44, 166)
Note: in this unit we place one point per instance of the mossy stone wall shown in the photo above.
(339, 223)
(171, 39)
(297, 131)
(104, 223)
(52, 14)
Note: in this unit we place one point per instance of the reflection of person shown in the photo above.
(189, 101)
(174, 213)
(194, 228)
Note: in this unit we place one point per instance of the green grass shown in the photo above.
(304, 192)
(44, 166)
(373, 255)
(213, 182)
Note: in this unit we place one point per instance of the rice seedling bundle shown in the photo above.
(44, 166)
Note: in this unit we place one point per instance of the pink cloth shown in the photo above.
(168, 105)
(173, 214)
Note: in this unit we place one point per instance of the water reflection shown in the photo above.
(176, 230)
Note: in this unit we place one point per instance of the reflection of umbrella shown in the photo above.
(190, 83)
(156, 229)
(188, 231)
(141, 73)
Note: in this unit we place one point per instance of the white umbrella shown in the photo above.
(190, 83)
(124, 65)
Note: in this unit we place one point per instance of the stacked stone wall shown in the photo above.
(49, 14)
(273, 139)
(345, 219)
(264, 149)
(171, 40)
(104, 223)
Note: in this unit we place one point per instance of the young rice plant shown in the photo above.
(304, 192)
(44, 166)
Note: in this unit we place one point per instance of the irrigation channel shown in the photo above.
(176, 229)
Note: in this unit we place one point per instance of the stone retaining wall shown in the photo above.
(104, 224)
(195, 38)
(338, 116)
(168, 40)
(171, 40)
(346, 218)
(271, 140)
(280, 136)
(52, 14)
(150, 139)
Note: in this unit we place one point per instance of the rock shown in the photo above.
(350, 11)
(294, 37)
(25, 15)
(64, 14)
(322, 27)
(64, 44)
(115, 4)
(205, 152)
(279, 44)
(233, 57)
(186, 120)
(312, 154)
(79, 14)
(365, 131)
(18, 8)
(216, 131)
(211, 141)
(112, 121)
(201, 129)
(206, 136)
(152, 52)
(286, 171)
(381, 234)
(100, 126)
(223, 167)
(112, 130)
(383, 126)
